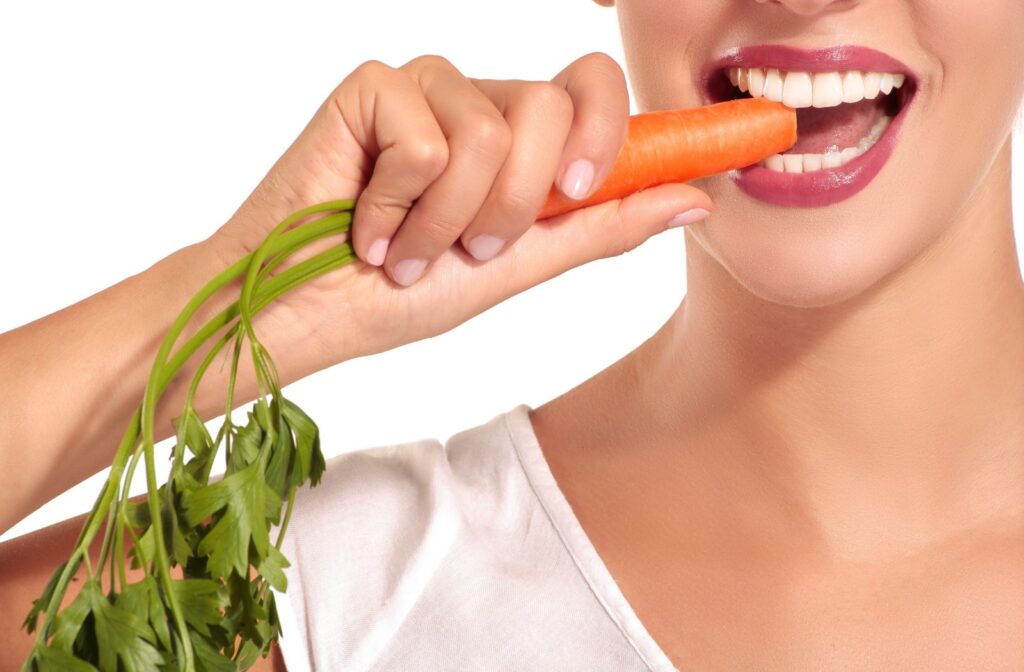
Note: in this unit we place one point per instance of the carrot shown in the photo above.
(680, 145)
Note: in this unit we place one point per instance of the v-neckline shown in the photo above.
(574, 537)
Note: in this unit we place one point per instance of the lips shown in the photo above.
(844, 156)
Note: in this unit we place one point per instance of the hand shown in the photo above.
(436, 158)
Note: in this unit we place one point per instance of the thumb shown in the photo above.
(552, 246)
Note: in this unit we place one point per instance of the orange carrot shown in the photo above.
(680, 145)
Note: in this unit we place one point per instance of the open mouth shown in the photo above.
(850, 102)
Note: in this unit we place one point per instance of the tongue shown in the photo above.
(820, 129)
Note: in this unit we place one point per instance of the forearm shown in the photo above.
(26, 564)
(73, 379)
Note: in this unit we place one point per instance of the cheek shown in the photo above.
(971, 97)
(665, 41)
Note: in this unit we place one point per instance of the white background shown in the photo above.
(128, 130)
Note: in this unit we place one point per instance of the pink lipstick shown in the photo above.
(839, 92)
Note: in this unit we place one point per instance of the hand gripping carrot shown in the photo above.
(681, 145)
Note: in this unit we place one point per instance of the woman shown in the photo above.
(816, 463)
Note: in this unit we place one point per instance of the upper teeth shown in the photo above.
(814, 89)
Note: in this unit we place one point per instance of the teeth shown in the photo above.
(886, 83)
(820, 89)
(773, 85)
(833, 158)
(743, 79)
(828, 89)
(849, 154)
(756, 78)
(872, 84)
(775, 162)
(853, 87)
(797, 90)
(793, 163)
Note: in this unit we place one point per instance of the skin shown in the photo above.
(818, 460)
(815, 463)
(436, 159)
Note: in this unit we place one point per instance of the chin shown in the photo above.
(792, 263)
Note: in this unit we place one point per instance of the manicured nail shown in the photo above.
(691, 216)
(378, 251)
(577, 179)
(409, 271)
(485, 246)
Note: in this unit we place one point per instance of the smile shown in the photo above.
(850, 104)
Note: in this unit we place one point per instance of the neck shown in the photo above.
(884, 422)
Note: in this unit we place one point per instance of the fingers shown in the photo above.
(540, 115)
(413, 152)
(609, 229)
(572, 127)
(600, 99)
(475, 159)
(479, 140)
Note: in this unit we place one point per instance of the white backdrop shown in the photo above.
(128, 130)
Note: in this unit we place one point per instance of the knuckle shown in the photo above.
(428, 158)
(381, 206)
(603, 64)
(491, 135)
(619, 247)
(368, 73)
(439, 230)
(429, 61)
(630, 244)
(549, 98)
(372, 69)
(515, 202)
(608, 232)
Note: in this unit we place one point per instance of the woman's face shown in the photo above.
(815, 240)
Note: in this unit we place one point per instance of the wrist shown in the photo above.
(284, 327)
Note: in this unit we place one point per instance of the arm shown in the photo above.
(73, 379)
(26, 563)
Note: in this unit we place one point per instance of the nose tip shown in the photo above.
(808, 7)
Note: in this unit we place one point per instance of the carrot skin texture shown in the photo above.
(681, 145)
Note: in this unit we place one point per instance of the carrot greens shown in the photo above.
(220, 614)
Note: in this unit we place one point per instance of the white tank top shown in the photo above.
(458, 557)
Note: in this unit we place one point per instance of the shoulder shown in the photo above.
(372, 491)
(367, 540)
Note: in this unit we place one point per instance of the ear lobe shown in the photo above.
(605, 3)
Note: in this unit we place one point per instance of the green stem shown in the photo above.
(122, 517)
(151, 395)
(259, 295)
(90, 526)
(287, 517)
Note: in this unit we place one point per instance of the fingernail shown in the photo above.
(485, 246)
(409, 271)
(378, 250)
(689, 217)
(577, 179)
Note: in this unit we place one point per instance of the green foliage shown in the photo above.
(220, 615)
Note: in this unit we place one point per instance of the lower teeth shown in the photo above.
(832, 158)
